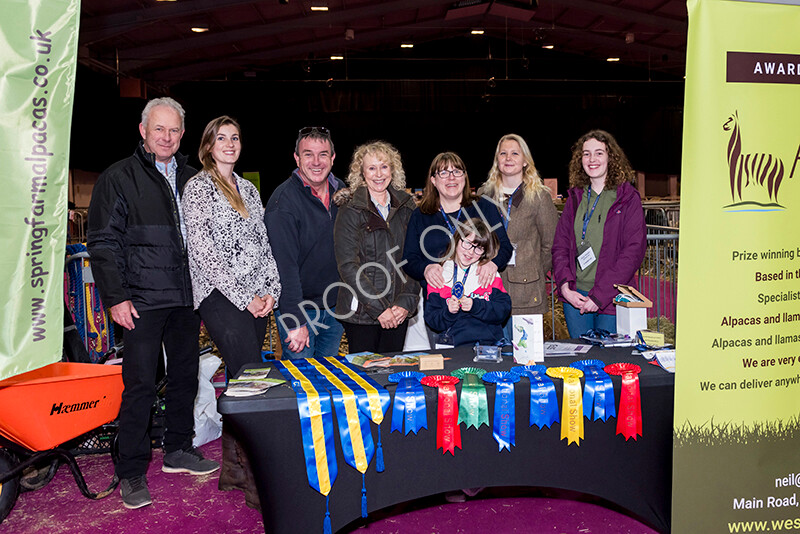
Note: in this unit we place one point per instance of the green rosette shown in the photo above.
(473, 408)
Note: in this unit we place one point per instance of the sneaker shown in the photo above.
(134, 492)
(188, 461)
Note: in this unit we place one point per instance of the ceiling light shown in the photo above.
(477, 32)
(548, 46)
(337, 58)
(407, 45)
(199, 29)
(319, 8)
(612, 59)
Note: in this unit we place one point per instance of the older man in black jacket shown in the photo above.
(139, 262)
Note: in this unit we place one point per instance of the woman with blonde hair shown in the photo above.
(234, 276)
(368, 241)
(601, 236)
(529, 217)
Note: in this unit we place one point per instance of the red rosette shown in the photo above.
(629, 420)
(448, 433)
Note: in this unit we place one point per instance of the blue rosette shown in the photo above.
(544, 402)
(504, 426)
(598, 390)
(409, 402)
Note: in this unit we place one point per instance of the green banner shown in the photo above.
(38, 50)
(737, 386)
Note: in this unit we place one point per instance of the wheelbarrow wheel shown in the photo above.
(9, 489)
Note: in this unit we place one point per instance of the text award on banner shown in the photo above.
(38, 50)
(737, 381)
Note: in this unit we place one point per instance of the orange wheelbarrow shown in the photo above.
(47, 407)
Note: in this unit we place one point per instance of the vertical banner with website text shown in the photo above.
(737, 389)
(38, 50)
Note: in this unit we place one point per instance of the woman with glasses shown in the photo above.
(463, 311)
(447, 203)
(368, 240)
(234, 276)
(601, 236)
(529, 217)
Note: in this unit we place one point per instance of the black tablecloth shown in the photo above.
(634, 474)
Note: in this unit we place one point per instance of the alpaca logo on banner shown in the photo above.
(762, 172)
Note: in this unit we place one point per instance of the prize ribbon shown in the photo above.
(598, 390)
(544, 403)
(629, 421)
(448, 432)
(373, 399)
(504, 420)
(571, 405)
(409, 402)
(473, 408)
(316, 426)
(354, 431)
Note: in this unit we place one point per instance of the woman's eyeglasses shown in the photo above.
(469, 245)
(444, 173)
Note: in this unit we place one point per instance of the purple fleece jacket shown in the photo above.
(624, 244)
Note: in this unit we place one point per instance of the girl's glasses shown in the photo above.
(469, 245)
(444, 173)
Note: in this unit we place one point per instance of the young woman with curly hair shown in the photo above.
(601, 236)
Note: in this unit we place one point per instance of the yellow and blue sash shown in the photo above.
(316, 425)
(373, 399)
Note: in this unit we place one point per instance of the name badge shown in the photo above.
(586, 258)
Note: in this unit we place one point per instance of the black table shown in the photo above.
(634, 474)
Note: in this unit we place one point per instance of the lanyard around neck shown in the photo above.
(447, 220)
(508, 208)
(588, 215)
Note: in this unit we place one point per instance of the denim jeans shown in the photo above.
(578, 324)
(324, 336)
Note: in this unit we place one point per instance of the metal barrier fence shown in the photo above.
(657, 276)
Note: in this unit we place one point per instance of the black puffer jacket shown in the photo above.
(134, 239)
(362, 236)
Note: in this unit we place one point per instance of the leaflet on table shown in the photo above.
(256, 373)
(554, 348)
(665, 358)
(373, 359)
(245, 387)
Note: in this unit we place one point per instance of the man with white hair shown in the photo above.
(136, 241)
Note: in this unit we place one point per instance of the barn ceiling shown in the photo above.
(153, 41)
